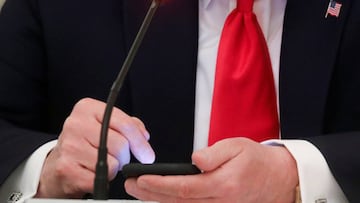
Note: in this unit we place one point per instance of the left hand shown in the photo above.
(234, 170)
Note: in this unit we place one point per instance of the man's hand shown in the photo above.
(234, 170)
(69, 169)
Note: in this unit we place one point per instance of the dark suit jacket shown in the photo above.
(55, 52)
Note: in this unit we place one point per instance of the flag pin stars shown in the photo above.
(333, 9)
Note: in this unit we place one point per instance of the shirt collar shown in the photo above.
(204, 4)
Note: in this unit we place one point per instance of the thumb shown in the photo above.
(211, 158)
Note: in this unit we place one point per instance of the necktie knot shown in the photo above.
(245, 5)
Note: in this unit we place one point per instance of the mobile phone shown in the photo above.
(137, 169)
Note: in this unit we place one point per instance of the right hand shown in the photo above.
(69, 169)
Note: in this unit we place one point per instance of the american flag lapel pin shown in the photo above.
(333, 9)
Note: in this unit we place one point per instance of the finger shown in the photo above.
(133, 130)
(85, 145)
(122, 123)
(84, 181)
(135, 135)
(118, 146)
(70, 177)
(82, 153)
(134, 190)
(92, 108)
(186, 187)
(142, 127)
(211, 158)
(89, 160)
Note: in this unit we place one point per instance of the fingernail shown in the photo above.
(147, 135)
(148, 156)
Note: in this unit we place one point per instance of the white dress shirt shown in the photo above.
(316, 180)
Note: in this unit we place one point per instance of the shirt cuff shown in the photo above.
(22, 184)
(317, 184)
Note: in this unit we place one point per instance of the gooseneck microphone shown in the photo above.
(101, 183)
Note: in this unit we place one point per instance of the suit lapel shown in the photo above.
(308, 56)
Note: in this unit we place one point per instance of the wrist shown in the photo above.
(288, 174)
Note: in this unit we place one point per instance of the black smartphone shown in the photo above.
(137, 169)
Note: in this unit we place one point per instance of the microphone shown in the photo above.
(101, 185)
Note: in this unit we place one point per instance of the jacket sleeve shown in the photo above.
(22, 87)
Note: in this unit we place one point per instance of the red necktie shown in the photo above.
(244, 99)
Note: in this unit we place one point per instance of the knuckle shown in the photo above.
(84, 102)
(68, 148)
(137, 120)
(127, 126)
(228, 188)
(184, 190)
(83, 105)
(61, 168)
(71, 123)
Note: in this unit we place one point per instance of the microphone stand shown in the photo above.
(101, 179)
